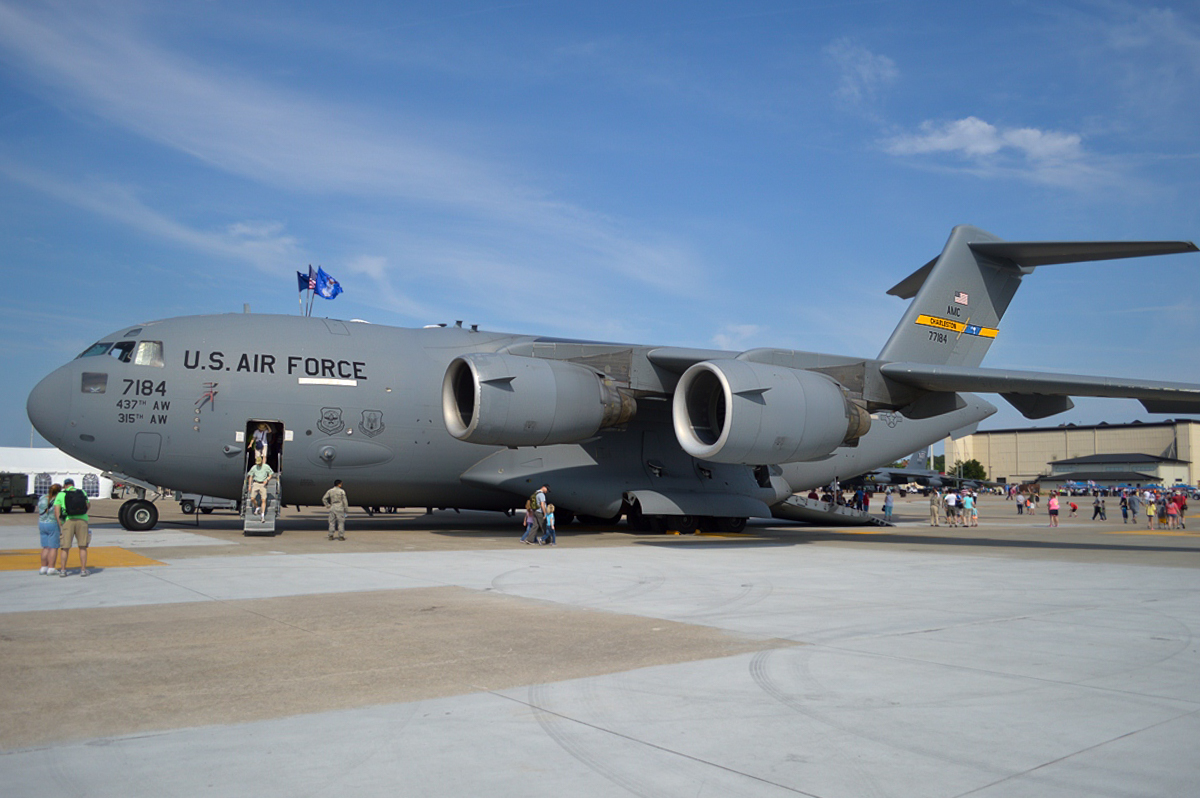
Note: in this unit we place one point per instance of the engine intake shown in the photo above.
(735, 411)
(511, 400)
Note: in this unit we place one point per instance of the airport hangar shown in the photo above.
(1145, 453)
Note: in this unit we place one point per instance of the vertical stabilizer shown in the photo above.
(960, 296)
(959, 299)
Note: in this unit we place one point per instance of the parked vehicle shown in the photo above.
(191, 502)
(14, 492)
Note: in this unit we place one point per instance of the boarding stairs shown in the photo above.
(251, 523)
(819, 513)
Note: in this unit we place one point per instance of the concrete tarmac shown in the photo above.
(435, 655)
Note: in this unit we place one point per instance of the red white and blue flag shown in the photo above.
(307, 282)
(961, 297)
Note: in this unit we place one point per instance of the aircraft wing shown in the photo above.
(1038, 394)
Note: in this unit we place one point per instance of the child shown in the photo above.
(530, 524)
(549, 537)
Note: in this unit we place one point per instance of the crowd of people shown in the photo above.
(1161, 508)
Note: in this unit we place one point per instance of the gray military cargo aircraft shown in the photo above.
(458, 417)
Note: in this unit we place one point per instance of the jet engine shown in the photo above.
(735, 411)
(510, 400)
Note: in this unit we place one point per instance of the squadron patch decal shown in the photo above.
(331, 421)
(372, 423)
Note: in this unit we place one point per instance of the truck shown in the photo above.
(14, 492)
(191, 502)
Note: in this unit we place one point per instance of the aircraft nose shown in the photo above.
(49, 405)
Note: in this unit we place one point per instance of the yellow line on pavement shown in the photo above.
(98, 557)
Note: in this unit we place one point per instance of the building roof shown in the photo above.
(1126, 457)
(1103, 425)
(1132, 477)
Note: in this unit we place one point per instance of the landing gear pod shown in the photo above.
(510, 400)
(734, 411)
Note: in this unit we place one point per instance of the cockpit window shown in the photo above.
(132, 332)
(96, 349)
(122, 351)
(148, 353)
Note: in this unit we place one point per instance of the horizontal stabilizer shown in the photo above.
(1029, 254)
(1045, 253)
(1156, 397)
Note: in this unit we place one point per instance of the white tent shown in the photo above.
(46, 466)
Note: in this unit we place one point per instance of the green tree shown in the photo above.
(971, 469)
(939, 463)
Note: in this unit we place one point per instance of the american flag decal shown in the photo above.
(961, 297)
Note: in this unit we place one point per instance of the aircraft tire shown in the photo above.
(731, 524)
(141, 515)
(6, 509)
(187, 507)
(634, 517)
(123, 513)
(563, 517)
(683, 524)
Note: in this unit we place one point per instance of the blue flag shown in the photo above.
(327, 287)
(302, 279)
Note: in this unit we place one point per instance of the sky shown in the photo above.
(708, 174)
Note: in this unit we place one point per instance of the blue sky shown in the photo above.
(733, 174)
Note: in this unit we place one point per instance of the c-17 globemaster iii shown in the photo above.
(458, 417)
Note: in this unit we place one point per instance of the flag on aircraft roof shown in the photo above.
(327, 287)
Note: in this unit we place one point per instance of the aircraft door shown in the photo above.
(264, 439)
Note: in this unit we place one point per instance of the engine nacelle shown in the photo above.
(510, 400)
(735, 411)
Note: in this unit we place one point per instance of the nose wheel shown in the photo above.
(138, 515)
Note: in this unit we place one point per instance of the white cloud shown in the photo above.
(982, 149)
(305, 144)
(974, 138)
(861, 73)
(265, 245)
(734, 336)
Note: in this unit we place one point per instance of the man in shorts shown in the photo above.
(259, 475)
(74, 526)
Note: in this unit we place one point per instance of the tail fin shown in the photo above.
(919, 461)
(961, 295)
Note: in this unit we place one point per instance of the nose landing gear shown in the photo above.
(138, 515)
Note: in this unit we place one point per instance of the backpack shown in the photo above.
(532, 503)
(74, 503)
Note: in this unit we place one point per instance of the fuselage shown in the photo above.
(176, 402)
